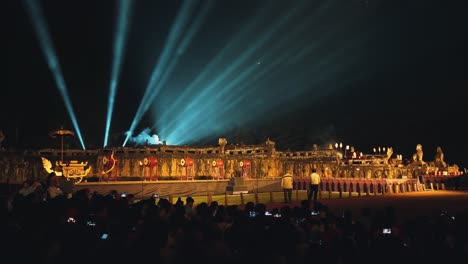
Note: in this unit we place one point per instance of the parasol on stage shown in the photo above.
(62, 133)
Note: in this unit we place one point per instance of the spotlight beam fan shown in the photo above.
(123, 14)
(245, 57)
(181, 48)
(40, 27)
(181, 20)
(213, 108)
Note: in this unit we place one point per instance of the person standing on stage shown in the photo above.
(287, 185)
(313, 187)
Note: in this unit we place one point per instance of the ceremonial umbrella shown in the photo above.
(61, 132)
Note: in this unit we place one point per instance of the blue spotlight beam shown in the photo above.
(123, 13)
(169, 47)
(37, 18)
(232, 69)
(184, 43)
(246, 79)
(217, 62)
(210, 107)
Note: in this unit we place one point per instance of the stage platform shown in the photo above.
(176, 188)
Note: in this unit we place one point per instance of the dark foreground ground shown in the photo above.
(407, 205)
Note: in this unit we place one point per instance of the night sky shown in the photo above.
(365, 73)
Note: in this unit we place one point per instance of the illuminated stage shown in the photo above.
(184, 188)
(177, 188)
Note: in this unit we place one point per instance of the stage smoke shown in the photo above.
(144, 138)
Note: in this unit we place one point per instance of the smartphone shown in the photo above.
(104, 236)
(123, 195)
(71, 220)
(300, 220)
(268, 213)
(155, 195)
(313, 213)
(90, 223)
(277, 215)
(253, 214)
(386, 231)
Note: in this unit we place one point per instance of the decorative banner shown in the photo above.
(150, 161)
(246, 169)
(109, 162)
(187, 162)
(105, 160)
(149, 172)
(153, 161)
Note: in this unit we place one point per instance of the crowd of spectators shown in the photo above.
(116, 228)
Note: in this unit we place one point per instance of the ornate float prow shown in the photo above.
(71, 170)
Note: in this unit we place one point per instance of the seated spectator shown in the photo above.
(53, 191)
(189, 210)
(26, 189)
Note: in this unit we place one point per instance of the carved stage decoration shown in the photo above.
(71, 170)
(190, 162)
(110, 167)
(418, 156)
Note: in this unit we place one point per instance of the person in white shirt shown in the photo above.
(287, 185)
(313, 187)
(26, 190)
(53, 190)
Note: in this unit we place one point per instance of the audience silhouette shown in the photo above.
(114, 228)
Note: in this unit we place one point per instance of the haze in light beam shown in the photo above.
(123, 14)
(40, 27)
(145, 138)
(316, 57)
(166, 55)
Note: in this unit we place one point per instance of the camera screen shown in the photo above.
(387, 231)
(300, 220)
(155, 195)
(268, 213)
(313, 213)
(71, 220)
(104, 236)
(253, 214)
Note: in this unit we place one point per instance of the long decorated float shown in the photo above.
(253, 163)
